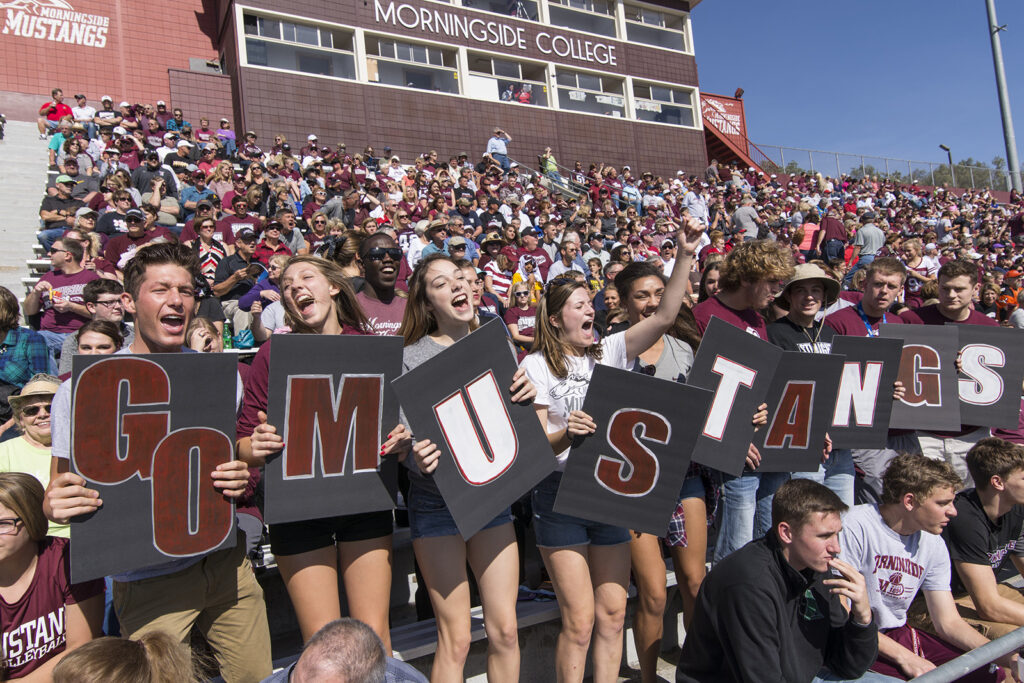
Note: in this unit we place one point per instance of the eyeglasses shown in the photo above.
(113, 303)
(378, 253)
(9, 527)
(32, 411)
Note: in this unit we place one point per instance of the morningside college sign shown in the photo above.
(54, 20)
(446, 23)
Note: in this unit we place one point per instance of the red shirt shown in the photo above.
(748, 320)
(35, 626)
(68, 287)
(57, 111)
(848, 321)
(931, 315)
(120, 243)
(385, 318)
(264, 251)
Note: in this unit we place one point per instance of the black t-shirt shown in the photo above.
(227, 266)
(70, 205)
(789, 336)
(973, 538)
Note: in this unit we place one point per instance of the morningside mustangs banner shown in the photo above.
(147, 430)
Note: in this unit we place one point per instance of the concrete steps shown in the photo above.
(23, 166)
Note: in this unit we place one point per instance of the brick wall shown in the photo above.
(200, 95)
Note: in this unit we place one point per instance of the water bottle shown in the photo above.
(227, 334)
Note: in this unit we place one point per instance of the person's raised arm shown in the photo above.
(641, 336)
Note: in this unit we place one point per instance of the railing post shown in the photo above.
(931, 169)
(863, 172)
(839, 172)
(782, 159)
(910, 171)
(810, 159)
(886, 168)
(971, 169)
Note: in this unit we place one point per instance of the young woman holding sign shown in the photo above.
(588, 562)
(319, 300)
(438, 314)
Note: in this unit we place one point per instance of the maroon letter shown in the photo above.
(642, 465)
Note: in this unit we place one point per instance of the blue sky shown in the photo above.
(888, 78)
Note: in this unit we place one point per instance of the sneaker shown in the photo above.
(42, 136)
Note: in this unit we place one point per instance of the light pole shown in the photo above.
(952, 173)
(1004, 98)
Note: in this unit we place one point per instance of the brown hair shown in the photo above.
(345, 305)
(159, 254)
(684, 328)
(154, 657)
(753, 261)
(887, 265)
(911, 473)
(548, 338)
(990, 457)
(22, 494)
(418, 321)
(104, 327)
(954, 269)
(9, 311)
(798, 499)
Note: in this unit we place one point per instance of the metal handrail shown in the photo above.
(975, 659)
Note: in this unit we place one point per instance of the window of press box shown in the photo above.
(592, 16)
(662, 104)
(410, 65)
(653, 27)
(305, 34)
(590, 93)
(299, 47)
(521, 9)
(505, 80)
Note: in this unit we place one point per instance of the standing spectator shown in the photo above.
(23, 353)
(497, 149)
(746, 221)
(58, 294)
(52, 113)
(831, 237)
(866, 243)
(382, 261)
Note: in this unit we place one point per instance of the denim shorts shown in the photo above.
(556, 530)
(429, 515)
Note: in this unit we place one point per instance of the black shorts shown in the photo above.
(292, 538)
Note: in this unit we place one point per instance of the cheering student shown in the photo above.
(43, 616)
(588, 561)
(987, 531)
(160, 292)
(382, 263)
(438, 314)
(958, 285)
(318, 299)
(770, 612)
(750, 277)
(896, 546)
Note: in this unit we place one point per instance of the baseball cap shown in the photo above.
(65, 179)
(252, 133)
(184, 143)
(246, 235)
(528, 230)
(223, 120)
(135, 213)
(198, 175)
(119, 130)
(169, 136)
(1013, 273)
(276, 225)
(79, 96)
(106, 98)
(286, 146)
(204, 204)
(124, 104)
(115, 150)
(311, 137)
(85, 211)
(457, 242)
(161, 103)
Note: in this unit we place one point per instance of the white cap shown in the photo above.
(168, 136)
(224, 120)
(106, 98)
(161, 103)
(311, 137)
(184, 143)
(680, 173)
(118, 130)
(124, 104)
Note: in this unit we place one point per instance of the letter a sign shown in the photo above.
(331, 401)
(146, 432)
(629, 473)
(492, 450)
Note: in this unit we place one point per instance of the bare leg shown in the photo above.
(649, 574)
(366, 570)
(609, 573)
(690, 561)
(494, 558)
(312, 582)
(442, 561)
(570, 577)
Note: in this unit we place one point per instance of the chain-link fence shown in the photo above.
(791, 160)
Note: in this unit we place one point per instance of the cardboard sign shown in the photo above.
(630, 472)
(801, 402)
(992, 369)
(492, 450)
(331, 400)
(738, 367)
(928, 372)
(146, 433)
(864, 395)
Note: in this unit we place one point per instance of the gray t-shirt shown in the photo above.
(895, 567)
(870, 239)
(745, 220)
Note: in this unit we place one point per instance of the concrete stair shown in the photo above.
(23, 166)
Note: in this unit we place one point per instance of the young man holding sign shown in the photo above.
(218, 590)
(771, 612)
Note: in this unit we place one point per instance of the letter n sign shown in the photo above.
(492, 450)
(864, 395)
(629, 473)
(331, 400)
(146, 432)
(928, 372)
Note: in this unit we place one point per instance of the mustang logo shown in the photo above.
(34, 5)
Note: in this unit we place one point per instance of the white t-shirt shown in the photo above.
(564, 395)
(895, 566)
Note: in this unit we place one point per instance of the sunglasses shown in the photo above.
(378, 253)
(319, 222)
(132, 220)
(32, 411)
(522, 294)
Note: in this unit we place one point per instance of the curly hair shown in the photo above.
(753, 261)
(911, 473)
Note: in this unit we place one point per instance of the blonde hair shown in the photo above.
(548, 338)
(154, 657)
(22, 494)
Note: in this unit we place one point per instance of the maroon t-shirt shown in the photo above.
(385, 318)
(848, 321)
(120, 243)
(526, 321)
(35, 626)
(931, 315)
(68, 287)
(540, 257)
(748, 320)
(234, 223)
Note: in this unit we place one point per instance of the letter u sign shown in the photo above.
(478, 430)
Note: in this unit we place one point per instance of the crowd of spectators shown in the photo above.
(780, 256)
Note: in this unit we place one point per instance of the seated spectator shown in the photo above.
(91, 244)
(241, 219)
(346, 650)
(58, 212)
(52, 113)
(43, 616)
(113, 222)
(206, 211)
(103, 301)
(137, 235)
(267, 290)
(161, 198)
(62, 135)
(271, 244)
(58, 294)
(30, 452)
(896, 546)
(235, 276)
(143, 176)
(154, 657)
(771, 611)
(23, 352)
(192, 194)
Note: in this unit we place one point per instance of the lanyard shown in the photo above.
(867, 323)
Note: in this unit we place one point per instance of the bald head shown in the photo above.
(343, 651)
